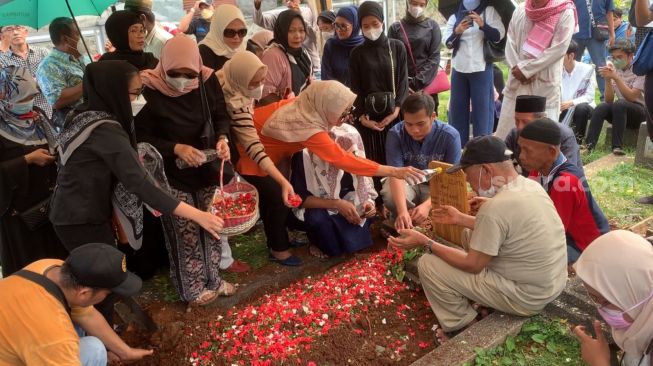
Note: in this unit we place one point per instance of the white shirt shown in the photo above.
(469, 57)
(156, 39)
(579, 85)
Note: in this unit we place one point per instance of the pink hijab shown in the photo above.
(179, 52)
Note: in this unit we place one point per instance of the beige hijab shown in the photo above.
(235, 76)
(224, 14)
(317, 109)
(619, 265)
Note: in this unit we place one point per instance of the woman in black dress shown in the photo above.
(27, 175)
(226, 37)
(127, 32)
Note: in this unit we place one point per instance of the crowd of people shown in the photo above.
(108, 168)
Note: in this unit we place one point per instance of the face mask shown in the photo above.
(415, 11)
(21, 108)
(615, 318)
(256, 93)
(206, 14)
(490, 192)
(327, 35)
(620, 64)
(471, 4)
(178, 83)
(373, 34)
(137, 105)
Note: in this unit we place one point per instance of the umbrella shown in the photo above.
(37, 13)
(505, 8)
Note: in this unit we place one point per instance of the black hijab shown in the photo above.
(281, 28)
(106, 89)
(117, 28)
(374, 9)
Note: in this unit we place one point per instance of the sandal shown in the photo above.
(225, 289)
(316, 252)
(206, 297)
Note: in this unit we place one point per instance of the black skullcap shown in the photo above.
(328, 16)
(543, 130)
(370, 8)
(530, 104)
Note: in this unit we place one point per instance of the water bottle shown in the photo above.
(210, 155)
(428, 174)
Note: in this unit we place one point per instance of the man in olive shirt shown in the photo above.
(516, 257)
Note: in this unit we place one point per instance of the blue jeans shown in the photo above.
(476, 87)
(91, 350)
(572, 254)
(598, 52)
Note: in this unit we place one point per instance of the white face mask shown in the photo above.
(137, 105)
(178, 83)
(206, 14)
(490, 192)
(327, 35)
(373, 34)
(256, 93)
(415, 11)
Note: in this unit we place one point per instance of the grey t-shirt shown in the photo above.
(520, 228)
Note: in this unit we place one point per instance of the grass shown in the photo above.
(616, 189)
(541, 342)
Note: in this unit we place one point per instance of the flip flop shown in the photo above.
(226, 289)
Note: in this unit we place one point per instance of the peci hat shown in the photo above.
(482, 150)
(543, 130)
(103, 266)
(530, 104)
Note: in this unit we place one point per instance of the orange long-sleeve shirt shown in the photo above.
(320, 144)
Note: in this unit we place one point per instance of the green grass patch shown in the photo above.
(616, 190)
(541, 342)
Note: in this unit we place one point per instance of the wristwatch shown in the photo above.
(427, 246)
(225, 138)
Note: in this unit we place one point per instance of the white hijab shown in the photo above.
(619, 265)
(224, 14)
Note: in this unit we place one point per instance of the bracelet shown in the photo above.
(427, 246)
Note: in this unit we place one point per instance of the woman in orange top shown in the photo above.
(289, 126)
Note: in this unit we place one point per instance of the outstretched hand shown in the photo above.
(595, 351)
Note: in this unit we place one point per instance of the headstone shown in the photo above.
(451, 190)
(630, 137)
(644, 154)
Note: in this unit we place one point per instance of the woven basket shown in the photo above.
(236, 225)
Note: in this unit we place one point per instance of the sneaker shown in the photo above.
(618, 151)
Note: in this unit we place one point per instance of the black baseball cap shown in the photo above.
(103, 266)
(482, 150)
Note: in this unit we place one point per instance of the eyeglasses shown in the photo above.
(11, 28)
(231, 33)
(341, 26)
(140, 91)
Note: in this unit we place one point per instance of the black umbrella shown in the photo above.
(505, 8)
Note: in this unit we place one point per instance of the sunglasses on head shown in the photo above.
(231, 33)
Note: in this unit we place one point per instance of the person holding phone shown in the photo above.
(472, 78)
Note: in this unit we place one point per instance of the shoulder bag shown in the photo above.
(440, 82)
(47, 284)
(493, 52)
(379, 105)
(643, 61)
(600, 30)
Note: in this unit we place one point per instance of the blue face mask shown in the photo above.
(21, 108)
(471, 4)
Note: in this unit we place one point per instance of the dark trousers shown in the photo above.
(621, 114)
(477, 88)
(273, 212)
(648, 96)
(582, 115)
(73, 236)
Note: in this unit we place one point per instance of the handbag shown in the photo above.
(643, 61)
(440, 82)
(600, 30)
(36, 216)
(379, 105)
(493, 52)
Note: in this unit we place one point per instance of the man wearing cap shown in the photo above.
(325, 22)
(566, 184)
(515, 258)
(156, 35)
(266, 20)
(198, 20)
(536, 42)
(48, 304)
(529, 108)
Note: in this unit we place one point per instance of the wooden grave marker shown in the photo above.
(449, 189)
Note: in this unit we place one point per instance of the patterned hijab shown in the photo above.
(224, 14)
(16, 85)
(317, 109)
(619, 265)
(235, 77)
